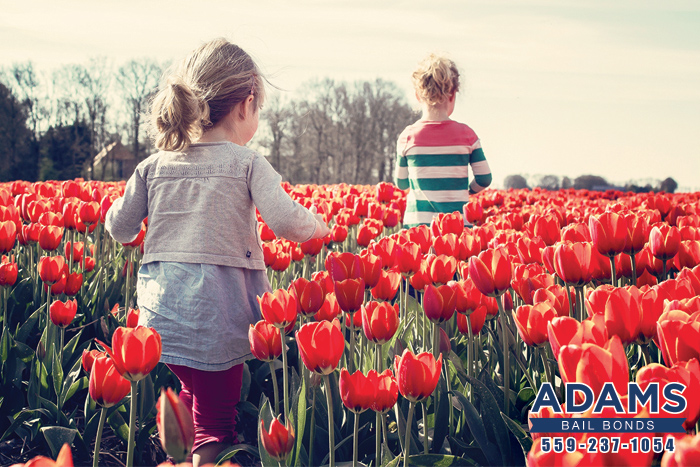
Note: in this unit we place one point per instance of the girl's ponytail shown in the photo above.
(436, 79)
(178, 116)
(201, 91)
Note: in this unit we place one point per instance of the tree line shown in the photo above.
(588, 182)
(52, 124)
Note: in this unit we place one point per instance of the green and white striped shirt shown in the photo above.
(433, 159)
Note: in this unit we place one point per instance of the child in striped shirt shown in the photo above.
(434, 154)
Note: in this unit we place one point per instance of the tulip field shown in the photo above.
(380, 345)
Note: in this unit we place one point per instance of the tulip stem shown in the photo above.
(663, 277)
(377, 418)
(98, 438)
(424, 406)
(285, 378)
(132, 424)
(612, 271)
(273, 377)
(645, 352)
(470, 355)
(407, 443)
(633, 260)
(506, 356)
(351, 350)
(331, 425)
(355, 440)
(312, 430)
(571, 305)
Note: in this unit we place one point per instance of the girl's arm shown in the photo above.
(124, 218)
(281, 213)
(401, 166)
(480, 169)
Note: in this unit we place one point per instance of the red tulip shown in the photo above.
(473, 212)
(281, 262)
(132, 317)
(356, 392)
(77, 251)
(371, 266)
(688, 254)
(557, 296)
(265, 341)
(678, 336)
(135, 352)
(490, 272)
(8, 236)
(89, 212)
(339, 233)
(321, 345)
(61, 313)
(576, 233)
(50, 237)
(74, 282)
(107, 387)
(527, 278)
(342, 266)
(529, 250)
(8, 273)
(408, 258)
(380, 321)
(387, 286)
(175, 425)
(595, 365)
(572, 262)
(387, 249)
(442, 269)
(547, 228)
(532, 320)
(621, 309)
(445, 245)
(51, 268)
(609, 233)
(664, 241)
(637, 233)
(564, 330)
(350, 294)
(309, 295)
(686, 453)
(279, 441)
(312, 247)
(365, 234)
(477, 318)
(417, 375)
(329, 310)
(387, 390)
(89, 357)
(278, 308)
(445, 223)
(421, 236)
(439, 303)
(687, 374)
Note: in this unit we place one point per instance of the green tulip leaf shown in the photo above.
(496, 429)
(23, 331)
(521, 435)
(20, 418)
(478, 430)
(229, 453)
(432, 460)
(57, 436)
(119, 426)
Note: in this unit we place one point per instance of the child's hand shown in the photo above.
(322, 229)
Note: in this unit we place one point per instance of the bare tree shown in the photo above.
(138, 80)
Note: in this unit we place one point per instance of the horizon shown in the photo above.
(564, 88)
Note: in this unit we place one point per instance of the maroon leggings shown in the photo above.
(211, 397)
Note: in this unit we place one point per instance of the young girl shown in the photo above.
(434, 154)
(203, 264)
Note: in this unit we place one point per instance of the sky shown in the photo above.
(562, 87)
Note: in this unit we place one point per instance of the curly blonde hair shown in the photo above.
(436, 79)
(200, 91)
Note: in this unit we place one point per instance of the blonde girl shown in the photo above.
(203, 265)
(435, 153)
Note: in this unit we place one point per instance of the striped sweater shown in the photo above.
(433, 159)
